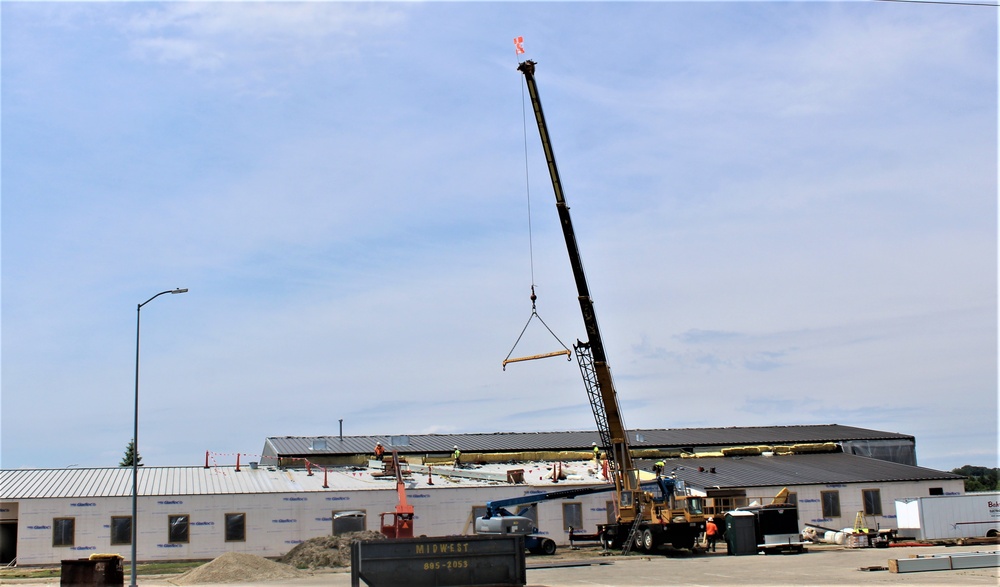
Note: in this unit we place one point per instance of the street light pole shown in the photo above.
(135, 433)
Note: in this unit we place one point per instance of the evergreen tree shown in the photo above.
(129, 452)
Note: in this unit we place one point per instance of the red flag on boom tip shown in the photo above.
(519, 45)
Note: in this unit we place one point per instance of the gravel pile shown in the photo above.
(235, 567)
(327, 551)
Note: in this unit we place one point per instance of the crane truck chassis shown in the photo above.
(674, 520)
(679, 532)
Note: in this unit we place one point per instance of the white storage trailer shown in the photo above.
(949, 516)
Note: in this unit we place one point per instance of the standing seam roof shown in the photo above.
(682, 438)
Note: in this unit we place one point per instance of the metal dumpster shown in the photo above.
(98, 570)
(439, 561)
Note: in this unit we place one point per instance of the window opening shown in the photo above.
(121, 529)
(572, 516)
(873, 502)
(178, 528)
(831, 504)
(236, 527)
(349, 521)
(63, 531)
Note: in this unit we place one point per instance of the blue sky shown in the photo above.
(787, 211)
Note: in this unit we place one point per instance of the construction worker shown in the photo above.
(597, 452)
(658, 468)
(711, 535)
(457, 455)
(379, 451)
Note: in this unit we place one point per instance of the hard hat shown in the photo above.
(711, 519)
(593, 444)
(456, 446)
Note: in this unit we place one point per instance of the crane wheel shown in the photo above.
(606, 542)
(548, 547)
(683, 542)
(648, 543)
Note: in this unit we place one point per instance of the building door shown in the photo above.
(8, 542)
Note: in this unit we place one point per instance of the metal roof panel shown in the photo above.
(793, 469)
(679, 438)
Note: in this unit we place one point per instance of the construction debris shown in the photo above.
(236, 567)
(327, 551)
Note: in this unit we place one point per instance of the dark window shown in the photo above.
(236, 527)
(179, 526)
(831, 504)
(349, 521)
(572, 516)
(63, 531)
(792, 499)
(611, 511)
(478, 511)
(936, 491)
(531, 512)
(873, 502)
(121, 529)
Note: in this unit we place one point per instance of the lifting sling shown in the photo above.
(534, 314)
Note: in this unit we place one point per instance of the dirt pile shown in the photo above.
(327, 551)
(235, 567)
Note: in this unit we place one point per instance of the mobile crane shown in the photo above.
(641, 520)
(500, 521)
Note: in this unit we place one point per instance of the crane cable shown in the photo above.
(527, 192)
(531, 257)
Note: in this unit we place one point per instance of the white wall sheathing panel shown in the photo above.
(275, 522)
(286, 507)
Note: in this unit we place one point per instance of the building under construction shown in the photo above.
(298, 488)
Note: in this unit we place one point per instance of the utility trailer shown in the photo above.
(776, 527)
(936, 517)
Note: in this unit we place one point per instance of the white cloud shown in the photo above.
(243, 30)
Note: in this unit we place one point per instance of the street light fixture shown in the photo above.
(135, 432)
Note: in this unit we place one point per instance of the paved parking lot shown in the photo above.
(821, 565)
(818, 566)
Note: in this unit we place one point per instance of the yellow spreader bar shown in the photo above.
(564, 352)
